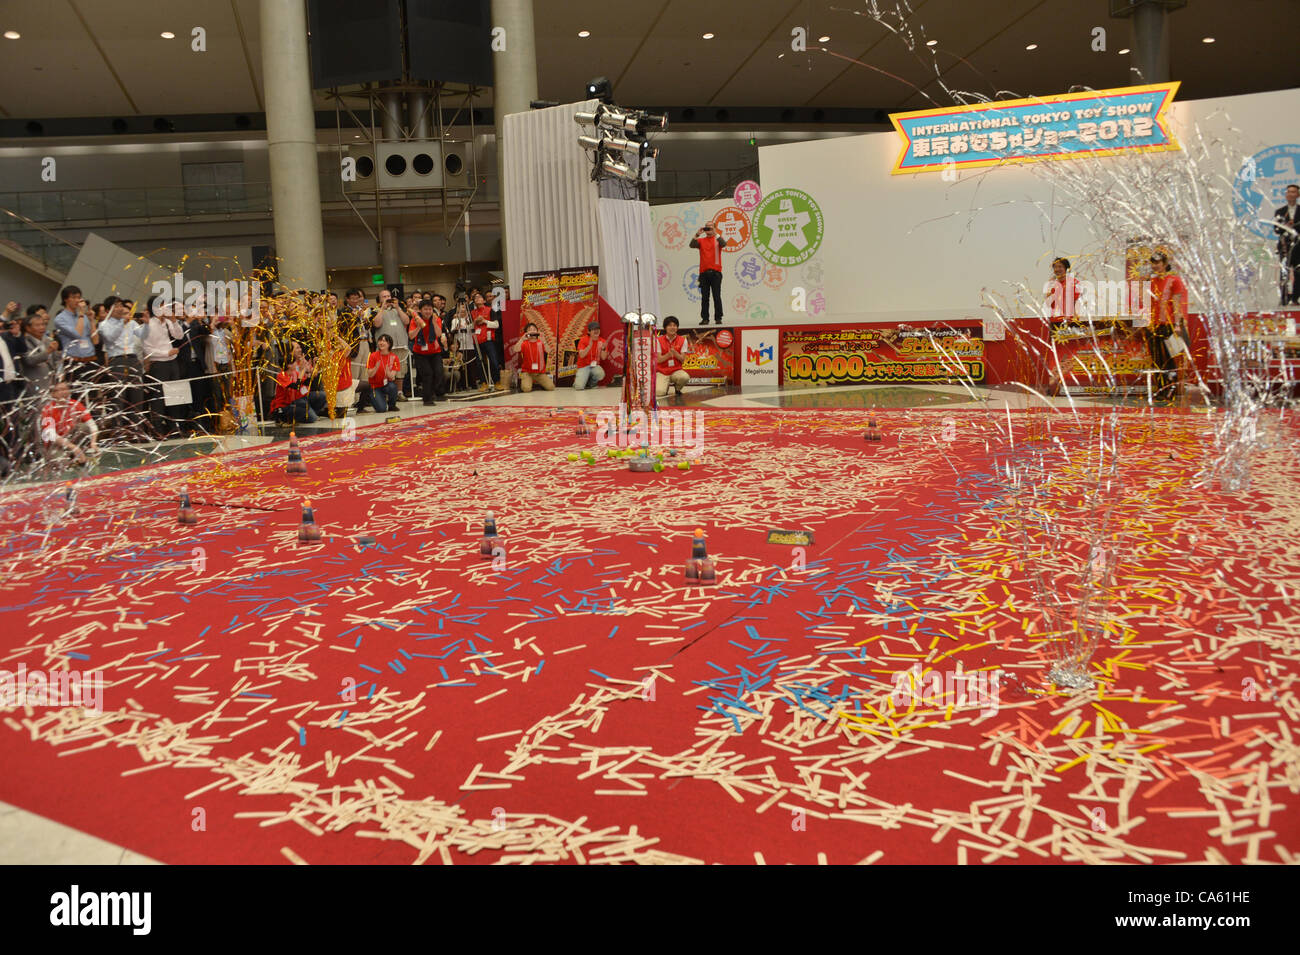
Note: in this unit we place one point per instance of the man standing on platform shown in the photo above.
(710, 245)
(672, 352)
(1288, 246)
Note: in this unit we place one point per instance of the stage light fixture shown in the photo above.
(600, 88)
(619, 170)
(12, 35)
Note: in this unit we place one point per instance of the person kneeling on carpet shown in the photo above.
(672, 352)
(64, 423)
(532, 360)
(382, 369)
(591, 351)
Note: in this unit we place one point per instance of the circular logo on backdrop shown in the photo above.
(759, 312)
(670, 233)
(691, 283)
(723, 339)
(740, 303)
(774, 277)
(787, 227)
(1259, 188)
(732, 225)
(664, 273)
(749, 270)
(747, 195)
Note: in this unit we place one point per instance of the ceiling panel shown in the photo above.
(106, 58)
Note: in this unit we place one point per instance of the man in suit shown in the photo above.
(1288, 246)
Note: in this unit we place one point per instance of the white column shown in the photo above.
(291, 144)
(515, 72)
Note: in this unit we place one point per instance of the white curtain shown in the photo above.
(550, 200)
(555, 218)
(625, 236)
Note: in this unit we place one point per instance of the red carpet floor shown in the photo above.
(406, 700)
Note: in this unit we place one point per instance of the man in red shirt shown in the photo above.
(591, 350)
(710, 245)
(672, 352)
(63, 415)
(532, 360)
(1168, 310)
(427, 344)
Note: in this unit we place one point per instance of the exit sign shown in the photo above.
(377, 278)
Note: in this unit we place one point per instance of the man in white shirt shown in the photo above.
(391, 319)
(121, 336)
(160, 364)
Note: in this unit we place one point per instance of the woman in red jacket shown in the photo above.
(383, 369)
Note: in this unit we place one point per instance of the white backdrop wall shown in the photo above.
(917, 248)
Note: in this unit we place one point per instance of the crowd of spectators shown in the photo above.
(121, 373)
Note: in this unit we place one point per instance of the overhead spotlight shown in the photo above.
(1207, 39)
(600, 88)
(619, 170)
(931, 42)
(823, 39)
(708, 36)
(168, 35)
(584, 33)
(1032, 46)
(642, 150)
(1123, 51)
(12, 35)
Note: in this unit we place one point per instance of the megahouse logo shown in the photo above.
(760, 355)
(103, 908)
(235, 297)
(665, 428)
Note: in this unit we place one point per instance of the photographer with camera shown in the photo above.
(392, 320)
(532, 360)
(710, 245)
(428, 341)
